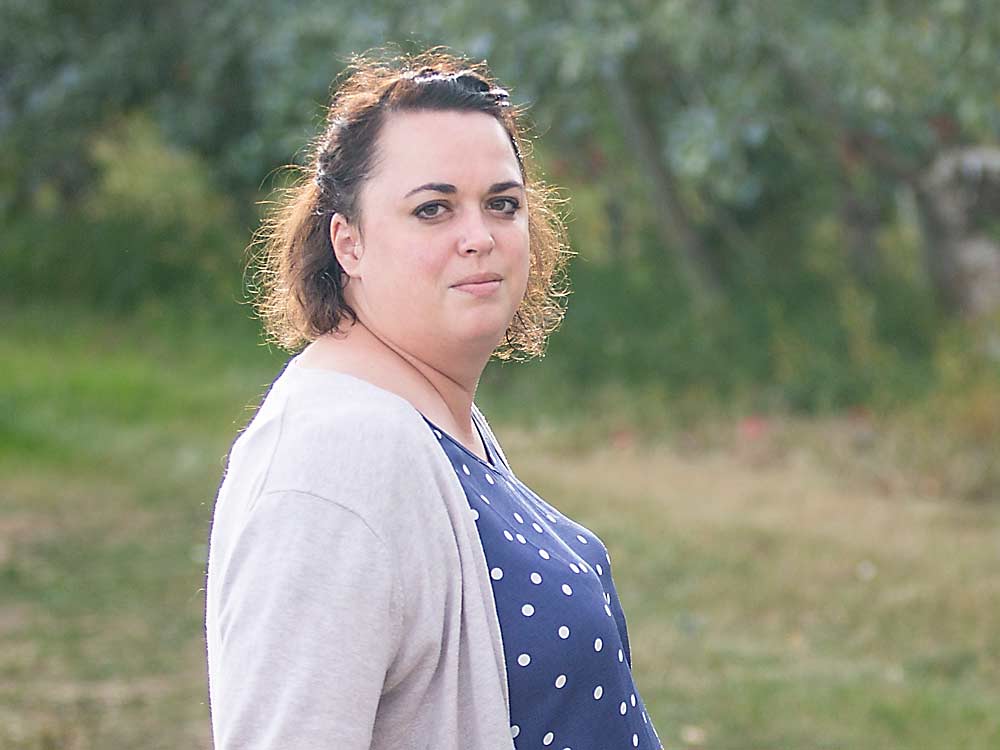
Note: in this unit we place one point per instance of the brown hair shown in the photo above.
(299, 282)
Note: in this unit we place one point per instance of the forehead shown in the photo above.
(463, 148)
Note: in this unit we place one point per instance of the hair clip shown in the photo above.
(467, 79)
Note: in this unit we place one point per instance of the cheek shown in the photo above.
(426, 270)
(410, 284)
(523, 256)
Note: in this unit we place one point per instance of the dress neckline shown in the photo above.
(490, 463)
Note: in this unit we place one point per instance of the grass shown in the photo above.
(784, 606)
(785, 589)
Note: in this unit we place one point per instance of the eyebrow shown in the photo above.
(446, 187)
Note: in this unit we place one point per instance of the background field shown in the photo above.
(775, 393)
(783, 589)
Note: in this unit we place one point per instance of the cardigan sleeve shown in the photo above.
(309, 620)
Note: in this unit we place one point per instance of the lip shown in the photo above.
(479, 284)
(478, 278)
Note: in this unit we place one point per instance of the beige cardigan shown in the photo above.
(348, 602)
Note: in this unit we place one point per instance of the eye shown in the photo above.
(430, 210)
(505, 205)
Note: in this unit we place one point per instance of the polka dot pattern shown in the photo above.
(564, 635)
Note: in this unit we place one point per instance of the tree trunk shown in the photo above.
(675, 228)
(957, 195)
(859, 221)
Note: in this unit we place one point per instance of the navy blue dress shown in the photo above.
(564, 637)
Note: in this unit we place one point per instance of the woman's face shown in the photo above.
(442, 254)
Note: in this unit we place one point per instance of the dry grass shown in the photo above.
(789, 584)
(778, 598)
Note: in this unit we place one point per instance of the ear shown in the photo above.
(346, 241)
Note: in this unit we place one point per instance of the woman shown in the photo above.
(378, 577)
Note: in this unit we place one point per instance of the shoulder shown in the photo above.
(337, 437)
(330, 419)
(319, 405)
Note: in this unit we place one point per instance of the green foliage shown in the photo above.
(965, 410)
(152, 226)
(135, 138)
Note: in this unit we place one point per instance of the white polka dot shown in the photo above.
(583, 567)
(537, 528)
(543, 554)
(536, 578)
(484, 499)
(515, 730)
(524, 660)
(521, 539)
(465, 470)
(598, 644)
(582, 539)
(508, 535)
(623, 708)
(551, 517)
(598, 692)
(635, 740)
(600, 570)
(475, 513)
(518, 518)
(547, 739)
(567, 590)
(608, 610)
(560, 680)
(574, 568)
(632, 699)
(621, 656)
(607, 598)
(496, 574)
(563, 632)
(489, 478)
(527, 610)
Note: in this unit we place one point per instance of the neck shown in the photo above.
(454, 389)
(444, 396)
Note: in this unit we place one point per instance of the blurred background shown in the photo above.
(775, 395)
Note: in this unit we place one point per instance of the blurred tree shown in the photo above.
(960, 193)
(717, 126)
(66, 68)
(736, 115)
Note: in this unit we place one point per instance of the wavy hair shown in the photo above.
(298, 282)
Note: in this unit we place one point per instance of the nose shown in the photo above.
(476, 237)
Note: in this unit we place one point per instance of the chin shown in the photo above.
(483, 336)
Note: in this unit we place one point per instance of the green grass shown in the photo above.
(778, 596)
